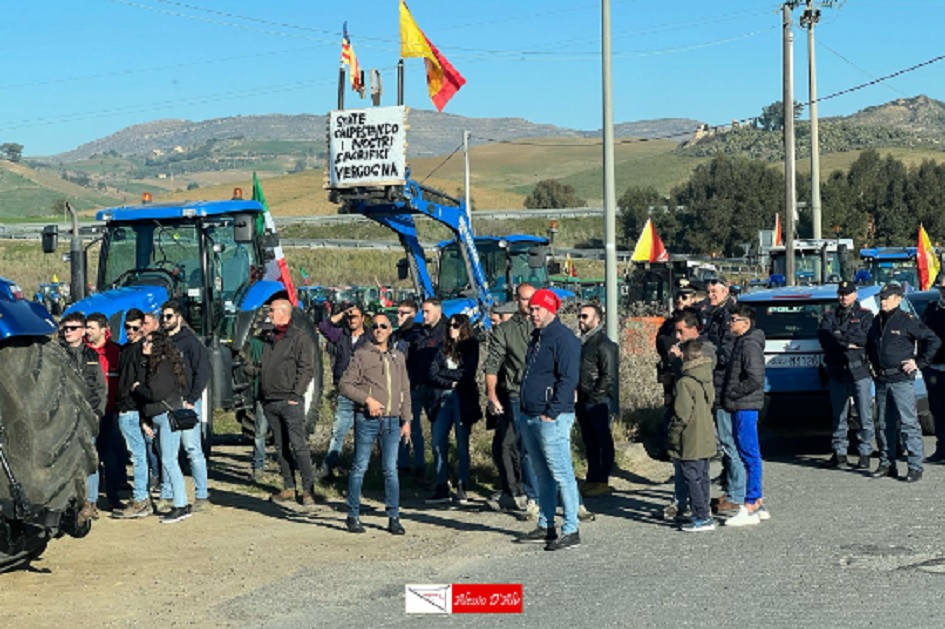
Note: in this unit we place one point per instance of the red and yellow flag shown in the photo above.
(649, 247)
(350, 59)
(778, 239)
(443, 80)
(927, 260)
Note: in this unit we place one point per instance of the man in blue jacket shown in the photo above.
(552, 369)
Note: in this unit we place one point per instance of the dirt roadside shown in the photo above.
(141, 573)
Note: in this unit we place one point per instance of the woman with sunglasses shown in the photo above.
(453, 377)
(161, 392)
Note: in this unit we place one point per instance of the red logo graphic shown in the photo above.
(487, 598)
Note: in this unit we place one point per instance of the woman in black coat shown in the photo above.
(453, 377)
(158, 395)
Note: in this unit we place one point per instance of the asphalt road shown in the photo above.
(841, 550)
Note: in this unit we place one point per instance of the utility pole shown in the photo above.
(790, 203)
(809, 18)
(612, 296)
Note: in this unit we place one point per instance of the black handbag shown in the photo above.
(181, 418)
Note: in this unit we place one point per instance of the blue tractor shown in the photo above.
(46, 433)
(883, 265)
(221, 260)
(507, 261)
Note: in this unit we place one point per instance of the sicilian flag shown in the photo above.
(350, 59)
(778, 240)
(649, 247)
(927, 260)
(443, 80)
(276, 269)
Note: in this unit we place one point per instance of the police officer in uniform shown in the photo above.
(898, 345)
(842, 335)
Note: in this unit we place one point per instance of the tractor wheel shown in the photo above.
(47, 430)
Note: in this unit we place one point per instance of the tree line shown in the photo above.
(879, 201)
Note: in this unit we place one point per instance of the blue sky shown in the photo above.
(77, 71)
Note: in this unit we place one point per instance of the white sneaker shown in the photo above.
(743, 518)
(763, 513)
(531, 509)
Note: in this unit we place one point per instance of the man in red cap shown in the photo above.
(552, 368)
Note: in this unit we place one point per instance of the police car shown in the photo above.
(795, 375)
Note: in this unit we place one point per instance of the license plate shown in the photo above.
(793, 360)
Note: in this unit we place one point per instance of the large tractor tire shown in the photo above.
(46, 430)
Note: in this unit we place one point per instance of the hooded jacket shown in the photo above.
(692, 429)
(744, 386)
(381, 375)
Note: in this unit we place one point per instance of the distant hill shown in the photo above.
(913, 123)
(430, 133)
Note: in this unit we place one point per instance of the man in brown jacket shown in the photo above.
(376, 381)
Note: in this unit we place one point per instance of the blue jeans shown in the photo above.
(170, 445)
(366, 431)
(259, 444)
(190, 441)
(422, 399)
(550, 444)
(529, 477)
(734, 468)
(130, 427)
(896, 400)
(745, 424)
(92, 482)
(840, 393)
(446, 419)
(344, 419)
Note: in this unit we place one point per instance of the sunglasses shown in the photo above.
(168, 317)
(584, 316)
(380, 326)
(71, 328)
(133, 328)
(736, 320)
(456, 326)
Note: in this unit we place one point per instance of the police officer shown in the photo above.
(898, 345)
(842, 335)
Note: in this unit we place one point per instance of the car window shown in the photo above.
(790, 320)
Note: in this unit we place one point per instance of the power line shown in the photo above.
(443, 163)
(741, 121)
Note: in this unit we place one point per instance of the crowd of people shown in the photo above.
(540, 377)
(712, 367)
